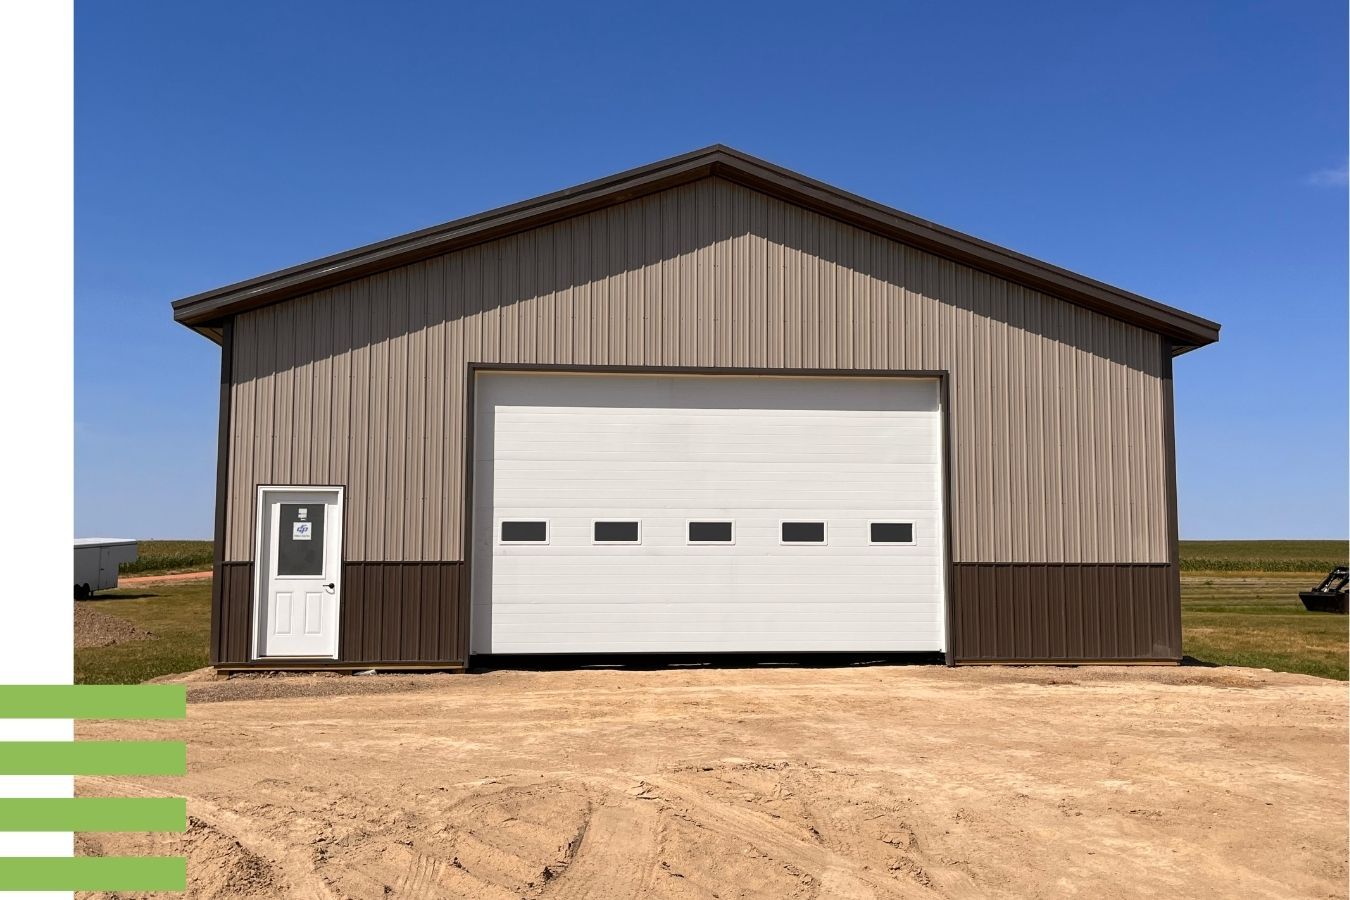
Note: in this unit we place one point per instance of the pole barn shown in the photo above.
(704, 406)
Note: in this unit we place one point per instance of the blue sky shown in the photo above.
(1192, 152)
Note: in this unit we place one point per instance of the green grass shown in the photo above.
(1263, 556)
(179, 616)
(1257, 620)
(166, 557)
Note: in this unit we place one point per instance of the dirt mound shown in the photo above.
(96, 629)
(219, 866)
(881, 782)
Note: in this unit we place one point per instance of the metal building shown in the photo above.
(704, 405)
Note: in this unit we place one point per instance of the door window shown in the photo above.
(714, 532)
(300, 539)
(802, 533)
(892, 532)
(519, 531)
(615, 532)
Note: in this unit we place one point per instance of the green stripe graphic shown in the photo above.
(93, 701)
(93, 758)
(93, 814)
(93, 873)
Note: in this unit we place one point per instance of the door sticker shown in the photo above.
(300, 531)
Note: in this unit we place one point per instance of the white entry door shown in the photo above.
(299, 562)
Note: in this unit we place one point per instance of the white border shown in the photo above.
(548, 532)
(261, 561)
(824, 524)
(617, 520)
(691, 543)
(909, 543)
(37, 364)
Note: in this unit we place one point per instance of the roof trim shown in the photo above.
(204, 312)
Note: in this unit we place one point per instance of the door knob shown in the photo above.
(330, 585)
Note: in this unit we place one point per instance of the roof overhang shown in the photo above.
(205, 311)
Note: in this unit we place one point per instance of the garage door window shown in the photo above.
(616, 532)
(892, 533)
(524, 531)
(801, 533)
(711, 532)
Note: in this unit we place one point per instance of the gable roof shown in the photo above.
(205, 311)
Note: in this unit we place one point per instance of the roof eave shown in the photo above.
(205, 310)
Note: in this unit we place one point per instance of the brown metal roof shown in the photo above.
(206, 310)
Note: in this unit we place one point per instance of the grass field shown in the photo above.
(1240, 606)
(1237, 614)
(166, 557)
(179, 616)
(1262, 556)
(1257, 620)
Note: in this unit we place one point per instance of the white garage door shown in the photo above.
(634, 513)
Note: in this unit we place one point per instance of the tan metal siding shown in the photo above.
(1057, 437)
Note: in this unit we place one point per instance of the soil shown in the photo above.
(849, 782)
(124, 581)
(96, 629)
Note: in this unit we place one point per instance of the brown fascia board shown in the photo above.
(203, 312)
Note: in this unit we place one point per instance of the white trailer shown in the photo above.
(96, 561)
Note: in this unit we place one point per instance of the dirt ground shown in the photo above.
(908, 781)
(126, 581)
(97, 629)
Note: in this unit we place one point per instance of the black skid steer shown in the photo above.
(1330, 595)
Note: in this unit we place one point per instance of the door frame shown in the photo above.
(262, 566)
(943, 377)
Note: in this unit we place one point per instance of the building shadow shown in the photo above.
(102, 598)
